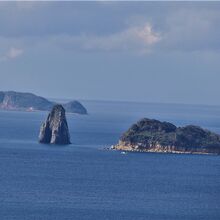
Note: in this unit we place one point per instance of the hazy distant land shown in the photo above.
(12, 100)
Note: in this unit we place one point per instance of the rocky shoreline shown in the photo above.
(168, 149)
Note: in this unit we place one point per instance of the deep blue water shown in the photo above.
(84, 181)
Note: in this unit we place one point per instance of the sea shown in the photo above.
(84, 181)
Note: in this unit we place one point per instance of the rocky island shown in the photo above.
(149, 135)
(55, 129)
(76, 107)
(12, 100)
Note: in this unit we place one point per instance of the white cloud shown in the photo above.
(12, 53)
(137, 39)
(134, 38)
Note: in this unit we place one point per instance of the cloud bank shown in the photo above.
(136, 39)
(110, 28)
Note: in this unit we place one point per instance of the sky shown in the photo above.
(124, 51)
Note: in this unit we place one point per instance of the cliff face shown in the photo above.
(55, 129)
(27, 101)
(155, 136)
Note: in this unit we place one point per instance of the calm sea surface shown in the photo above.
(83, 181)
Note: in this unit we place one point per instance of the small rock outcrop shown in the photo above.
(55, 129)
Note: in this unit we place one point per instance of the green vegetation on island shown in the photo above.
(154, 136)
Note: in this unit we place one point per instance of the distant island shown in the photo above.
(12, 100)
(149, 135)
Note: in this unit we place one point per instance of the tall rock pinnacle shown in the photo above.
(55, 129)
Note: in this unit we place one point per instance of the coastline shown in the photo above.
(168, 150)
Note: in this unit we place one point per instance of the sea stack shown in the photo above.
(55, 129)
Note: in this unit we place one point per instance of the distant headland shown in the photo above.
(12, 100)
(148, 135)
